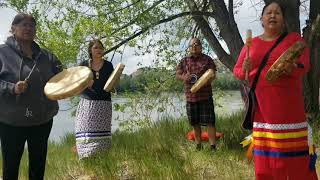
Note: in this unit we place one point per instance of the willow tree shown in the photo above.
(160, 26)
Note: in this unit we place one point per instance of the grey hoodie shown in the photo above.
(32, 107)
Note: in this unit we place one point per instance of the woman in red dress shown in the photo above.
(280, 129)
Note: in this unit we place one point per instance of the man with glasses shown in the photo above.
(200, 109)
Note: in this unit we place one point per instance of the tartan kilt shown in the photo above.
(201, 112)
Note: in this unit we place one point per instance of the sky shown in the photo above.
(6, 17)
(246, 18)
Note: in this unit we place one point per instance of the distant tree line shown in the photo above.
(147, 78)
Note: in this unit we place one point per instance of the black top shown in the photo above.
(96, 92)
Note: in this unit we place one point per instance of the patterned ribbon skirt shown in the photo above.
(93, 127)
(282, 150)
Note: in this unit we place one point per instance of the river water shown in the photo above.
(64, 123)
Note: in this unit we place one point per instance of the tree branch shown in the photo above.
(211, 38)
(113, 12)
(170, 18)
(120, 9)
(228, 27)
(230, 7)
(137, 17)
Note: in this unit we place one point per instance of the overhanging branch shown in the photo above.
(170, 18)
(120, 9)
(137, 17)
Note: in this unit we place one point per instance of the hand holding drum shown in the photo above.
(286, 62)
(114, 78)
(68, 83)
(204, 79)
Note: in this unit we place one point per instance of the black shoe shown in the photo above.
(199, 147)
(213, 148)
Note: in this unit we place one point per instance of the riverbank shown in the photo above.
(158, 152)
(230, 102)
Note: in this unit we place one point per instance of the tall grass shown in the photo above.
(159, 152)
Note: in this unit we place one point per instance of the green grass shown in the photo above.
(159, 152)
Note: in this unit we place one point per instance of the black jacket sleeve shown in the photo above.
(5, 86)
(56, 65)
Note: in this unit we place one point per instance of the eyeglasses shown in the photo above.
(195, 45)
(27, 25)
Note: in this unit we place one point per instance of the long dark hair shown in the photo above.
(91, 43)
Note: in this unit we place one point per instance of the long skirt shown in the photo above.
(93, 127)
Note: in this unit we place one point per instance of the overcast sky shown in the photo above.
(247, 18)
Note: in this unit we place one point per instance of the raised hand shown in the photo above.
(286, 68)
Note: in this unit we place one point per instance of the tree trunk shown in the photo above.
(228, 31)
(227, 26)
(311, 80)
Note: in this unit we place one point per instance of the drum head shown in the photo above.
(202, 80)
(114, 77)
(70, 82)
(289, 56)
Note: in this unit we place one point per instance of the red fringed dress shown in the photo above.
(280, 130)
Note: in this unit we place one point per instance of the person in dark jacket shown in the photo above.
(26, 113)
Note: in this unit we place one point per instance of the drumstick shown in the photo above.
(18, 96)
(27, 78)
(248, 44)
